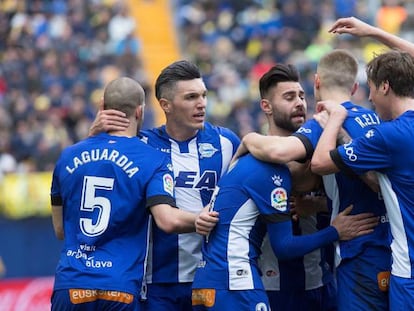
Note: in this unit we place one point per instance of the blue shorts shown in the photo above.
(223, 299)
(318, 299)
(363, 281)
(401, 294)
(168, 297)
(93, 300)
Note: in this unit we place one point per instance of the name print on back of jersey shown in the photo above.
(105, 154)
(367, 120)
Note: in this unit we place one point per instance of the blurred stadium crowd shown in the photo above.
(56, 56)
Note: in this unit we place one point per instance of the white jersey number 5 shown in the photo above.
(90, 202)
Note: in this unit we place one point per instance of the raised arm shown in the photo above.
(275, 149)
(356, 27)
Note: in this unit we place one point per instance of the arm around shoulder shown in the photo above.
(173, 220)
(275, 149)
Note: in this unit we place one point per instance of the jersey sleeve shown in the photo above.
(230, 135)
(55, 191)
(160, 189)
(363, 154)
(309, 134)
(285, 245)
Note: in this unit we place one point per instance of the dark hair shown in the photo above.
(276, 74)
(178, 71)
(395, 67)
(123, 94)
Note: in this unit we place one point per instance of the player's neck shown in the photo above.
(131, 131)
(278, 131)
(335, 96)
(180, 133)
(401, 105)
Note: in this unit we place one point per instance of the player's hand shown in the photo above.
(322, 118)
(206, 221)
(351, 25)
(352, 226)
(109, 120)
(330, 107)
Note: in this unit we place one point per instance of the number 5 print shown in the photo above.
(90, 202)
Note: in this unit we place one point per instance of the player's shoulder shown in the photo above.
(153, 133)
(257, 166)
(211, 129)
(355, 110)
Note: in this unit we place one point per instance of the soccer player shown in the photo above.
(358, 288)
(304, 283)
(200, 153)
(388, 150)
(252, 200)
(103, 189)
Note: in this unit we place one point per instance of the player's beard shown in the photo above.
(285, 122)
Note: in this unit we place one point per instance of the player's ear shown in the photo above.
(266, 106)
(317, 81)
(354, 88)
(385, 87)
(165, 104)
(101, 104)
(139, 111)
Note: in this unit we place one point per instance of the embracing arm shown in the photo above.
(175, 220)
(322, 162)
(356, 27)
(344, 227)
(109, 120)
(276, 149)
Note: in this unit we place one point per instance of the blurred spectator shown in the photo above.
(391, 15)
(58, 54)
(55, 58)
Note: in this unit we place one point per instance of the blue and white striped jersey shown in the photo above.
(388, 149)
(105, 185)
(251, 194)
(344, 189)
(198, 164)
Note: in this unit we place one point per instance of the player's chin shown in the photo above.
(198, 125)
(298, 120)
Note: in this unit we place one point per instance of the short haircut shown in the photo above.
(276, 74)
(338, 69)
(396, 68)
(182, 70)
(123, 94)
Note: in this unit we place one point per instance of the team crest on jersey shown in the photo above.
(206, 150)
(168, 182)
(278, 199)
(277, 180)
